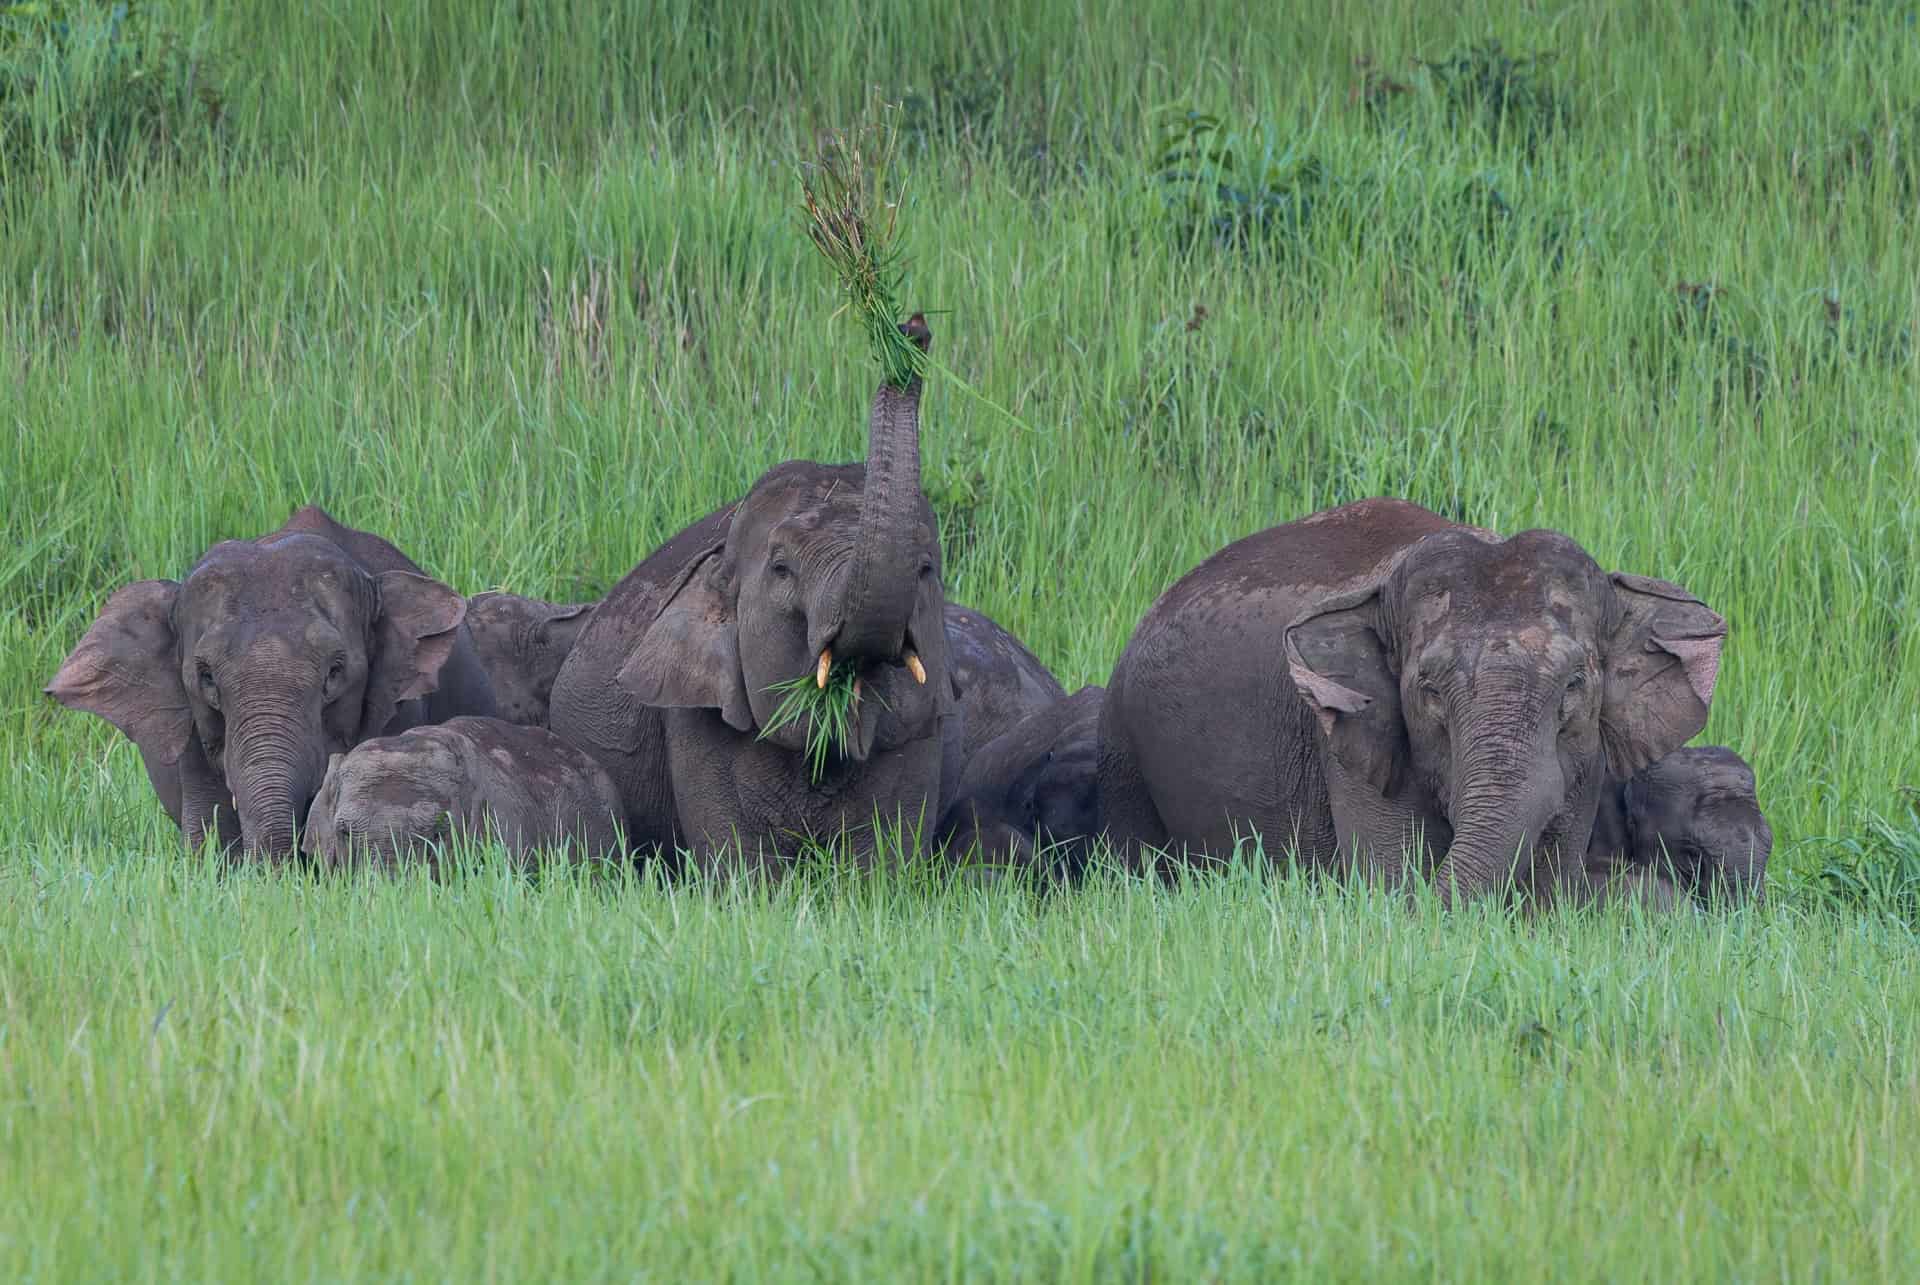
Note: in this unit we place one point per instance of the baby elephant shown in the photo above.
(1034, 784)
(392, 796)
(1685, 826)
(521, 643)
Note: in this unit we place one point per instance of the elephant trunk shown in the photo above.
(1507, 793)
(883, 574)
(274, 767)
(1731, 865)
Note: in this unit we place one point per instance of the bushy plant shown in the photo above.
(98, 82)
(1235, 185)
(1878, 869)
(1505, 94)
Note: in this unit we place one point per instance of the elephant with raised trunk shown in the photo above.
(239, 681)
(1375, 684)
(674, 684)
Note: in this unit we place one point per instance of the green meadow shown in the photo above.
(526, 289)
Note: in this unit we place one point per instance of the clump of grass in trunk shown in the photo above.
(827, 708)
(853, 222)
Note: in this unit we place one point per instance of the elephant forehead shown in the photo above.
(1708, 758)
(1507, 648)
(490, 736)
(508, 615)
(282, 638)
(1542, 577)
(1702, 770)
(798, 498)
(399, 775)
(299, 571)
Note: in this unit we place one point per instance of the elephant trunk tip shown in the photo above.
(917, 332)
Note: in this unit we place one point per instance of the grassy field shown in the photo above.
(525, 289)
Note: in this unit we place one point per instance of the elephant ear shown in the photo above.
(689, 656)
(414, 632)
(1341, 666)
(561, 627)
(1663, 658)
(126, 669)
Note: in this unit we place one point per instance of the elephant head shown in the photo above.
(821, 566)
(1694, 817)
(521, 643)
(1034, 784)
(268, 657)
(391, 798)
(1486, 689)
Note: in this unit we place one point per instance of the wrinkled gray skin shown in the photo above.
(670, 685)
(997, 680)
(1688, 826)
(237, 682)
(1031, 793)
(522, 643)
(399, 797)
(1375, 681)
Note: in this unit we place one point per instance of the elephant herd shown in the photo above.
(1372, 688)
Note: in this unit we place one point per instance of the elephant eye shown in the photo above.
(781, 571)
(926, 568)
(1570, 704)
(335, 672)
(209, 690)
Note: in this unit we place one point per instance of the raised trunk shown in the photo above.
(274, 767)
(884, 573)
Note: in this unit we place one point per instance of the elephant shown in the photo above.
(396, 796)
(238, 681)
(1033, 790)
(996, 680)
(522, 643)
(1688, 825)
(1383, 689)
(675, 682)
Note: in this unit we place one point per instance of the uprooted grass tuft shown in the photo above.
(852, 219)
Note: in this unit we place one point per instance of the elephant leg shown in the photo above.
(1384, 839)
(642, 777)
(205, 805)
(1127, 815)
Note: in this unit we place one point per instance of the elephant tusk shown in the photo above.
(856, 693)
(820, 670)
(918, 670)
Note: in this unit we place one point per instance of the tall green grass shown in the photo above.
(526, 289)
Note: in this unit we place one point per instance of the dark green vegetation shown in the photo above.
(526, 288)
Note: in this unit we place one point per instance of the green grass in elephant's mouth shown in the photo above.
(829, 709)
